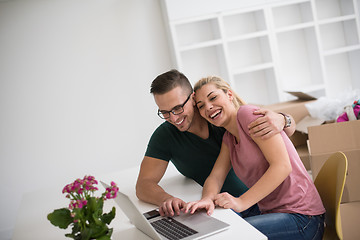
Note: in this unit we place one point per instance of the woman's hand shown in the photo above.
(205, 203)
(227, 201)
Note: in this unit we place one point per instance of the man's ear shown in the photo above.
(194, 99)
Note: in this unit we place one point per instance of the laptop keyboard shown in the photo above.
(172, 229)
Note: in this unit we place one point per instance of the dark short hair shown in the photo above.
(168, 81)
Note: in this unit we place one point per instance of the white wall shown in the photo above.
(74, 91)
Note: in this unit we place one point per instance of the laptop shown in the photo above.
(184, 226)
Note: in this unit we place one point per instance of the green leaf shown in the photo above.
(94, 204)
(60, 218)
(108, 217)
(104, 238)
(98, 230)
(76, 228)
(70, 235)
(79, 215)
(96, 219)
(99, 206)
(86, 233)
(110, 232)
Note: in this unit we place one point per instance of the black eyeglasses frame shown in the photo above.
(179, 109)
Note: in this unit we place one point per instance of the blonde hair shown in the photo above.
(220, 84)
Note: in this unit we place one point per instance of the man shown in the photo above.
(190, 142)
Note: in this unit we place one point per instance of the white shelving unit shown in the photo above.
(264, 48)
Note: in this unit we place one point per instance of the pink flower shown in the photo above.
(111, 192)
(79, 204)
(67, 189)
(80, 191)
(90, 180)
(75, 187)
(108, 195)
(72, 204)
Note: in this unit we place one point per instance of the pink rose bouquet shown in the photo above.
(85, 211)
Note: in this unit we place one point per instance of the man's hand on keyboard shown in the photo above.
(171, 206)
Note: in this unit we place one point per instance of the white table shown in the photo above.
(33, 224)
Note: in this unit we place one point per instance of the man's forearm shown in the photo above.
(151, 193)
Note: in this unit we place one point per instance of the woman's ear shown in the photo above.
(230, 94)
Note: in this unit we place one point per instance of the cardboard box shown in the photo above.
(326, 139)
(350, 218)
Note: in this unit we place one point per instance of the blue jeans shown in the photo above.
(251, 211)
(289, 225)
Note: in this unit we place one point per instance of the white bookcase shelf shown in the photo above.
(339, 34)
(299, 68)
(198, 32)
(327, 9)
(264, 48)
(249, 52)
(234, 23)
(293, 14)
(261, 81)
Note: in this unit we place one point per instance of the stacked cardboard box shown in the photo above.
(326, 139)
(350, 220)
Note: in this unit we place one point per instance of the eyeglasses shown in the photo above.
(175, 111)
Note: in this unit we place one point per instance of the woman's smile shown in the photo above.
(215, 114)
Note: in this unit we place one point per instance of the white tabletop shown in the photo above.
(33, 224)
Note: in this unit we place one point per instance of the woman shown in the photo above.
(290, 205)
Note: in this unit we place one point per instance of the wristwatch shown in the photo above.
(287, 120)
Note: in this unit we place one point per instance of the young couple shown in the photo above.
(254, 148)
